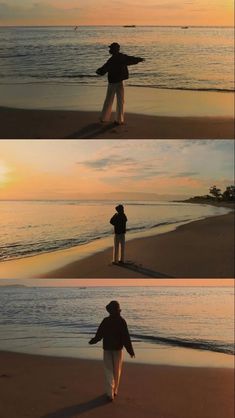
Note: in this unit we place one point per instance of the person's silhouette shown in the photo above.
(117, 69)
(114, 332)
(119, 221)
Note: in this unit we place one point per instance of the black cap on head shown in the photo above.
(120, 208)
(114, 45)
(113, 307)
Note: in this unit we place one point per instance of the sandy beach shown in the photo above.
(200, 249)
(72, 112)
(75, 124)
(49, 387)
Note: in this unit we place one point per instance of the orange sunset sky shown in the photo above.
(109, 169)
(117, 12)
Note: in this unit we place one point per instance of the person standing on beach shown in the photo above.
(114, 332)
(117, 69)
(119, 221)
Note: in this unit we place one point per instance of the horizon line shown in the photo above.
(119, 25)
(67, 200)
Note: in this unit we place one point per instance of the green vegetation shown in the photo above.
(227, 196)
(216, 195)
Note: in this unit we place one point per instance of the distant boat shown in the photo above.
(184, 27)
(129, 26)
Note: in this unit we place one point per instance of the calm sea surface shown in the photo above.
(33, 227)
(188, 59)
(62, 320)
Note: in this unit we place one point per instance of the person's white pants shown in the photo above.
(112, 371)
(119, 248)
(112, 90)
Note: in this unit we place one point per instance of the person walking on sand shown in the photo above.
(117, 69)
(119, 221)
(114, 332)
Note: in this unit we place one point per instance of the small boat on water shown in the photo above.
(129, 26)
(184, 27)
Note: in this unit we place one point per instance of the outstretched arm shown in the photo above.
(99, 334)
(103, 70)
(133, 60)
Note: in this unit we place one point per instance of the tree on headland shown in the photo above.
(216, 192)
(229, 194)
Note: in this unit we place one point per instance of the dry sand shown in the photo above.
(49, 387)
(69, 124)
(200, 249)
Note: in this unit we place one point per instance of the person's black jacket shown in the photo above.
(116, 67)
(114, 332)
(119, 221)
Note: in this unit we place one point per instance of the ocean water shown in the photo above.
(197, 58)
(60, 321)
(33, 227)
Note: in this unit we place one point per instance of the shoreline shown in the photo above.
(95, 246)
(154, 255)
(161, 255)
(146, 353)
(48, 111)
(201, 201)
(50, 387)
(189, 361)
(88, 97)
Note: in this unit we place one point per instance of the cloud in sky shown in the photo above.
(130, 167)
(70, 168)
(186, 174)
(174, 157)
(108, 162)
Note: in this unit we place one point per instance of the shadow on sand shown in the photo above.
(75, 410)
(92, 131)
(143, 270)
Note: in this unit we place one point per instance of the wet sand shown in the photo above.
(50, 387)
(200, 249)
(71, 124)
